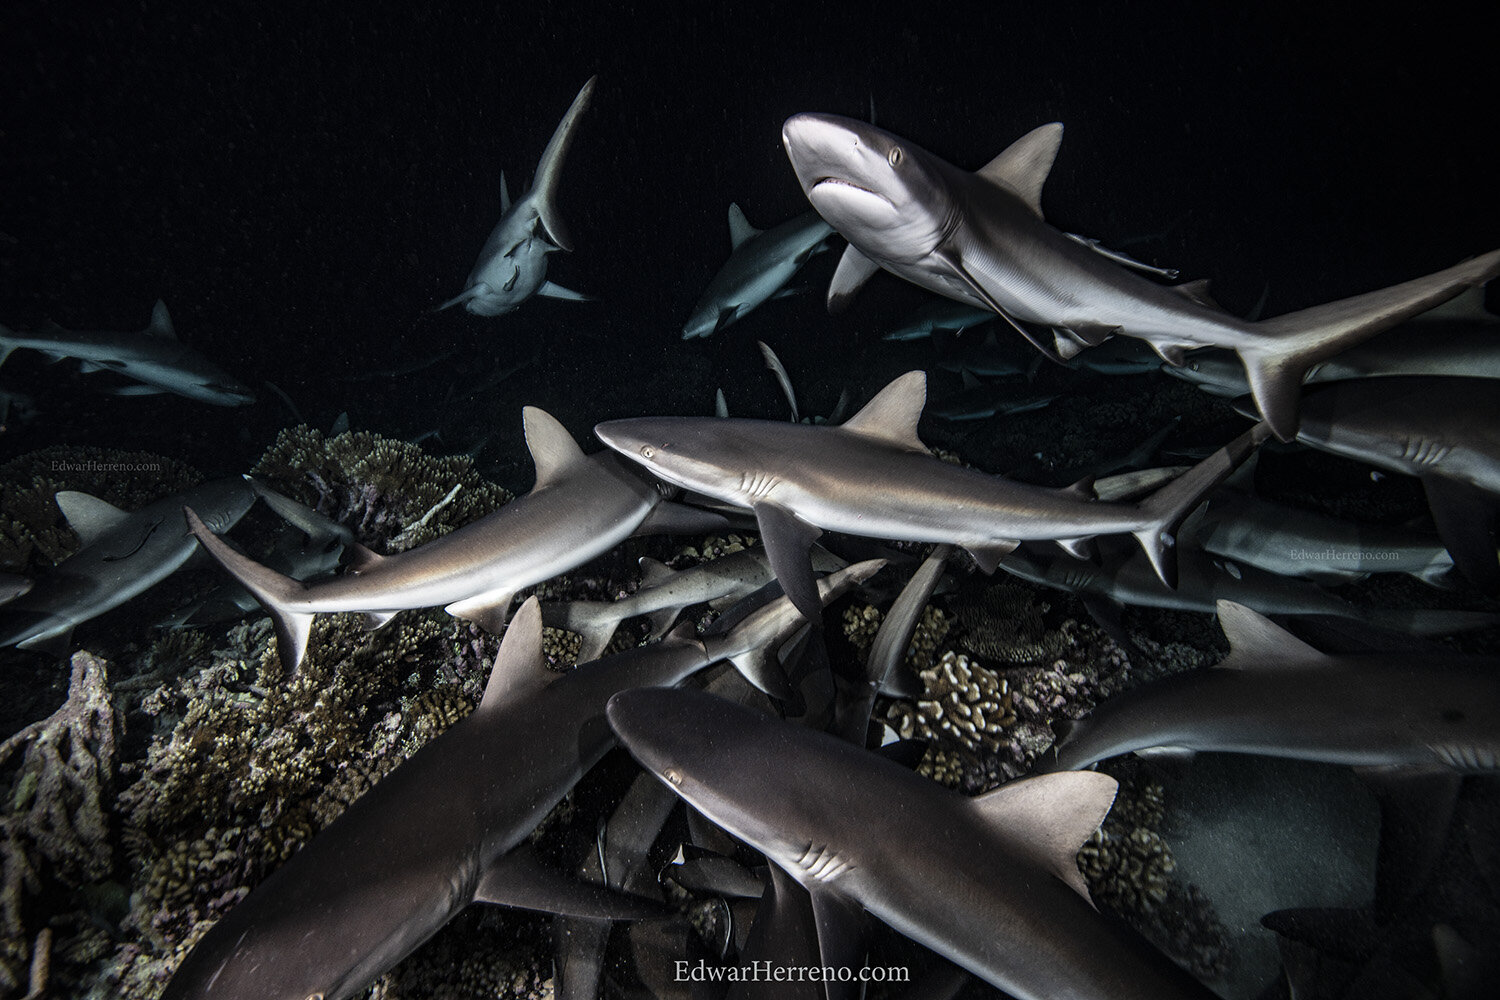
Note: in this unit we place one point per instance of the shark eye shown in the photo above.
(672, 776)
(895, 156)
(315, 996)
(647, 451)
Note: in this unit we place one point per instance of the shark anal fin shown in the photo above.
(848, 278)
(788, 540)
(518, 879)
(1050, 816)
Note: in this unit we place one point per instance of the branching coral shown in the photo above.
(55, 828)
(391, 493)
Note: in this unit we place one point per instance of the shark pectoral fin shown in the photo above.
(740, 229)
(788, 542)
(519, 879)
(1066, 346)
(89, 517)
(553, 450)
(520, 668)
(662, 622)
(487, 610)
(56, 644)
(552, 290)
(1416, 810)
(668, 518)
(1050, 816)
(761, 668)
(1181, 755)
(892, 416)
(1025, 164)
(848, 278)
(956, 265)
(1467, 519)
(727, 315)
(841, 938)
(989, 554)
(1276, 386)
(1255, 640)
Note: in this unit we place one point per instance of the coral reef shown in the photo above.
(393, 495)
(55, 827)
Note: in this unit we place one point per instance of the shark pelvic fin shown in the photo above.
(740, 229)
(848, 278)
(161, 322)
(552, 290)
(892, 416)
(520, 669)
(273, 590)
(788, 540)
(487, 610)
(89, 517)
(553, 450)
(1050, 816)
(1025, 164)
(519, 879)
(988, 555)
(1255, 640)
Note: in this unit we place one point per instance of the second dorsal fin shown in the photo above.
(1025, 164)
(553, 450)
(892, 415)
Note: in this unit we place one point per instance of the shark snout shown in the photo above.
(820, 146)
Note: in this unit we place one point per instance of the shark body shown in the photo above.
(760, 264)
(990, 883)
(512, 265)
(123, 554)
(153, 357)
(1277, 696)
(980, 238)
(872, 476)
(581, 507)
(443, 829)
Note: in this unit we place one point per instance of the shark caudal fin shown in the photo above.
(270, 588)
(1165, 510)
(1291, 344)
(543, 191)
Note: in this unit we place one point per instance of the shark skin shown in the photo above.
(1444, 431)
(943, 314)
(760, 264)
(990, 883)
(512, 265)
(873, 477)
(123, 554)
(1276, 696)
(980, 238)
(153, 357)
(442, 831)
(581, 507)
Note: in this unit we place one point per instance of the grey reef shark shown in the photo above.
(990, 883)
(122, 554)
(581, 507)
(760, 264)
(980, 238)
(512, 266)
(448, 827)
(154, 358)
(1275, 695)
(871, 476)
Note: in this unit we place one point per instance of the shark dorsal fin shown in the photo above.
(1024, 166)
(161, 322)
(1049, 817)
(1256, 641)
(892, 415)
(654, 573)
(504, 194)
(520, 667)
(553, 450)
(89, 517)
(740, 229)
(361, 558)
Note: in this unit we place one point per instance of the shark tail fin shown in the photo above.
(549, 170)
(1291, 344)
(271, 589)
(1165, 510)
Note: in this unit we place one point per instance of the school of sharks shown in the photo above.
(807, 822)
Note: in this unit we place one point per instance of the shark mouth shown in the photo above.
(842, 183)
